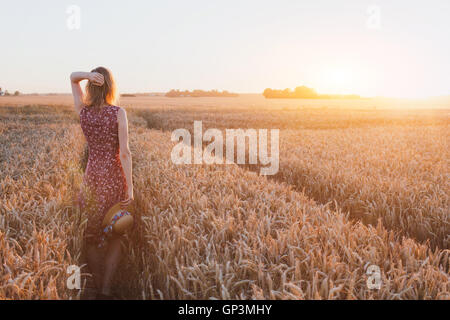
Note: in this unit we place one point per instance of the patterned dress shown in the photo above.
(104, 182)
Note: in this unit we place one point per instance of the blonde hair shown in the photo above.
(96, 96)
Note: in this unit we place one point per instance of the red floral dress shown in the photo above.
(104, 182)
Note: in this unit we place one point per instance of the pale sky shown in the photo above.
(378, 47)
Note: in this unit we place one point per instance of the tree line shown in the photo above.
(6, 93)
(200, 93)
(304, 92)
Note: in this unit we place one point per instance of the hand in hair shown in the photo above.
(96, 78)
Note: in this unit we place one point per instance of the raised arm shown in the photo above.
(75, 79)
(125, 154)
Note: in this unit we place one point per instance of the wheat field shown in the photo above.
(355, 188)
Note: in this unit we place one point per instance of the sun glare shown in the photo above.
(337, 80)
(340, 78)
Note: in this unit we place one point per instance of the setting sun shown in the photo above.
(339, 80)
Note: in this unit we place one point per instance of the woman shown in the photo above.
(108, 178)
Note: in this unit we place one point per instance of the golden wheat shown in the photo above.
(39, 238)
(222, 232)
(397, 174)
(204, 232)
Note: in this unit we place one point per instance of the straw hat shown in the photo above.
(123, 224)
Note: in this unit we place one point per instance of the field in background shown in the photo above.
(250, 110)
(358, 185)
(243, 101)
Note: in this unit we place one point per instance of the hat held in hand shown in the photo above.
(118, 220)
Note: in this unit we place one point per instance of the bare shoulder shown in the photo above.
(121, 115)
(121, 110)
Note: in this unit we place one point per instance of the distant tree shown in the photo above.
(7, 93)
(303, 92)
(17, 93)
(173, 93)
(199, 93)
(268, 93)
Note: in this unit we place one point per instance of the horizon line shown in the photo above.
(445, 96)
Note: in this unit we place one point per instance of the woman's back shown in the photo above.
(100, 128)
(104, 180)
